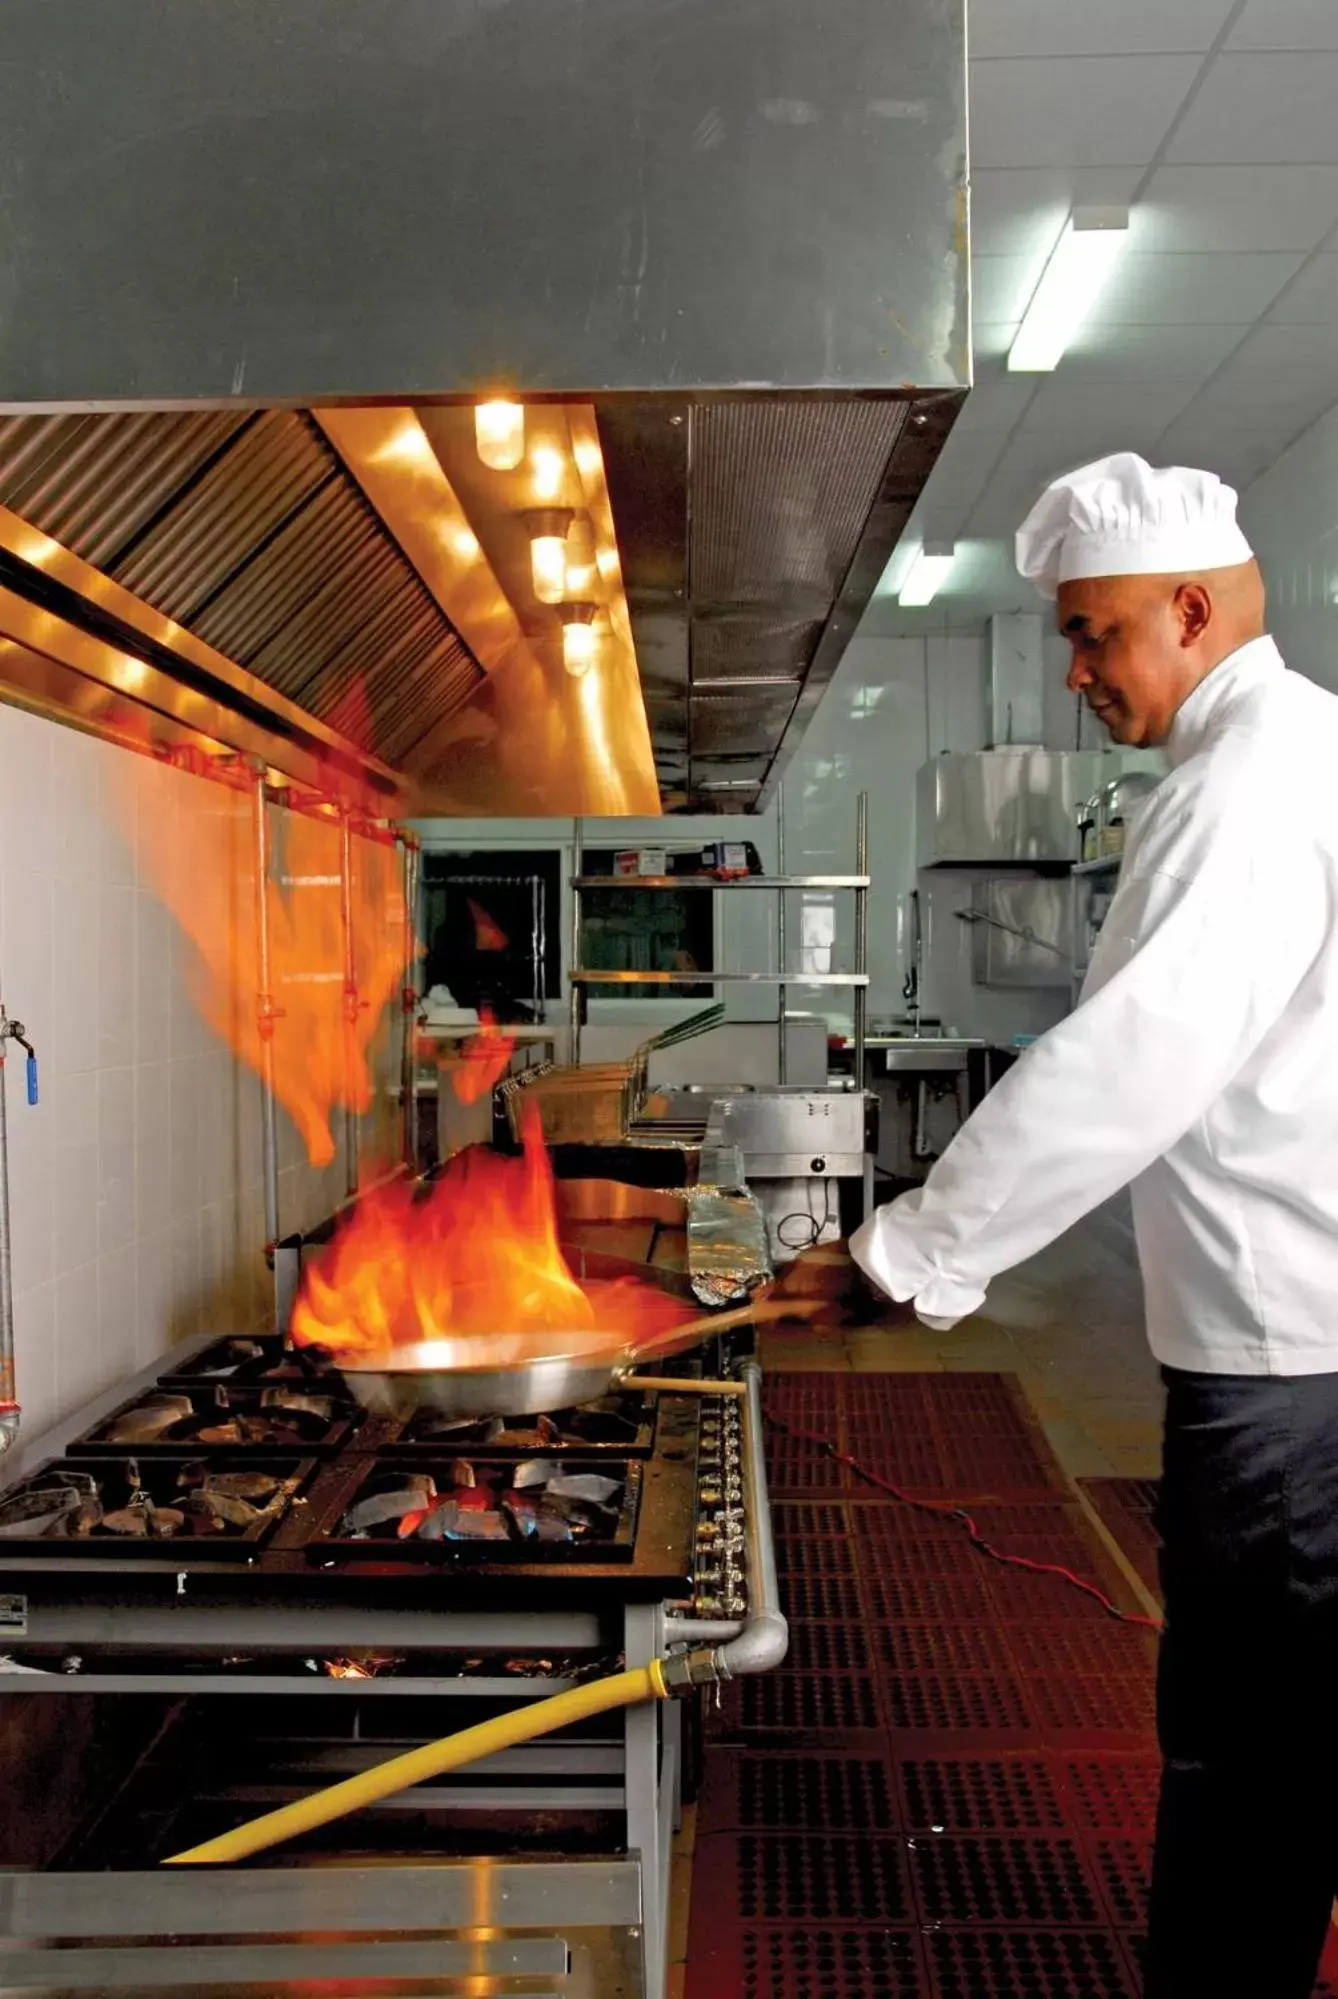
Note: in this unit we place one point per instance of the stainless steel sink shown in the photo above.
(926, 1054)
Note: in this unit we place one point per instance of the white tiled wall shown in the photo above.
(1290, 514)
(893, 703)
(135, 1185)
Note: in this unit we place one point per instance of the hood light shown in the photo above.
(580, 638)
(548, 467)
(548, 528)
(499, 434)
(1070, 285)
(927, 574)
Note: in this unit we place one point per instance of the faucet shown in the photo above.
(10, 1030)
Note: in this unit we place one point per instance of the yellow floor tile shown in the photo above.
(680, 1901)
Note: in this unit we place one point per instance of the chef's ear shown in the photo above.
(1194, 610)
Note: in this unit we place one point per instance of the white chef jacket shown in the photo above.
(1201, 1064)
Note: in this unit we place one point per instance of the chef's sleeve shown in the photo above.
(1187, 978)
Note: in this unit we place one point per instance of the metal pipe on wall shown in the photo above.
(861, 933)
(10, 1414)
(266, 1013)
(781, 992)
(409, 847)
(352, 1003)
(574, 1004)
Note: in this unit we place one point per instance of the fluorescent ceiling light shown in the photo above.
(927, 573)
(1071, 282)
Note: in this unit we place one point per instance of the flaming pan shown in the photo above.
(440, 1375)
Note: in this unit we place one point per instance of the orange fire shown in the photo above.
(483, 1061)
(488, 934)
(472, 1257)
(195, 844)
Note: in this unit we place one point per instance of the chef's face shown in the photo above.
(1133, 643)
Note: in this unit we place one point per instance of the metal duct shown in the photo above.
(248, 531)
(738, 235)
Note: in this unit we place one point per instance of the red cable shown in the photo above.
(959, 1513)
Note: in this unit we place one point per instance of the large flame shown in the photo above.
(473, 1260)
(198, 854)
(482, 1062)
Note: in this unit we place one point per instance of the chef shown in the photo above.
(1200, 1069)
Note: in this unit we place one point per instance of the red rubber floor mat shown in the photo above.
(948, 1791)
(1127, 1507)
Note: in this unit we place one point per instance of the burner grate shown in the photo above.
(469, 1511)
(995, 1878)
(617, 1425)
(221, 1506)
(313, 1417)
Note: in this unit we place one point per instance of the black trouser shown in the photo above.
(1246, 1865)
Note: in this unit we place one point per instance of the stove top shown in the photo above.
(308, 1416)
(618, 1425)
(557, 1510)
(223, 1505)
(242, 1361)
(246, 1460)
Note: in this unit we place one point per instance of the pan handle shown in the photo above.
(673, 1384)
(679, 1338)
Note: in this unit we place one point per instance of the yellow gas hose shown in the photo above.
(434, 1759)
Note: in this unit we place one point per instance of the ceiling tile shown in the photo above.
(1143, 408)
(1095, 27)
(1236, 208)
(1282, 378)
(1213, 288)
(1001, 286)
(1076, 110)
(1005, 504)
(968, 454)
(1236, 455)
(1281, 24)
(1313, 299)
(1274, 109)
(992, 338)
(997, 400)
(1104, 352)
(1019, 211)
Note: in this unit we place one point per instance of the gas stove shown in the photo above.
(344, 1506)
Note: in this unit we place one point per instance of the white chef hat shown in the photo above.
(1124, 517)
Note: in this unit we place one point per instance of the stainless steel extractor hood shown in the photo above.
(727, 242)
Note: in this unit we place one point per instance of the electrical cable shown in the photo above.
(952, 1510)
(815, 1229)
